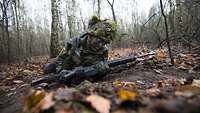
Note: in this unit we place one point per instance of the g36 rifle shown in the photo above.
(65, 76)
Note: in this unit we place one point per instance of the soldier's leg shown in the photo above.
(56, 65)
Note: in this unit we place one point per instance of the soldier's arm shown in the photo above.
(105, 53)
(68, 47)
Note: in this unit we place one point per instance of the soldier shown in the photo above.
(88, 51)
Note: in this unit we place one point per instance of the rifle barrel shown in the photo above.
(45, 79)
(117, 62)
(120, 61)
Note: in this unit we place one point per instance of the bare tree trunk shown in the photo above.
(179, 16)
(2, 30)
(93, 6)
(99, 8)
(83, 22)
(167, 33)
(69, 23)
(55, 46)
(5, 27)
(112, 9)
(17, 24)
(171, 16)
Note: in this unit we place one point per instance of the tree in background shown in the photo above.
(71, 17)
(55, 46)
(24, 34)
(99, 8)
(5, 10)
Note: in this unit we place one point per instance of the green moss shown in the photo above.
(95, 19)
(112, 24)
(114, 28)
(100, 32)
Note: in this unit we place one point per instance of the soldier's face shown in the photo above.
(96, 43)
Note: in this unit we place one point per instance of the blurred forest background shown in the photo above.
(24, 34)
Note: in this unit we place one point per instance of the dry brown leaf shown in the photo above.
(160, 54)
(124, 84)
(18, 81)
(45, 103)
(117, 83)
(153, 92)
(120, 111)
(140, 82)
(158, 71)
(32, 100)
(11, 94)
(67, 94)
(190, 88)
(184, 66)
(186, 94)
(129, 84)
(160, 83)
(125, 94)
(101, 104)
(64, 111)
(196, 83)
(28, 72)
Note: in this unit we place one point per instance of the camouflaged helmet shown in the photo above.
(104, 29)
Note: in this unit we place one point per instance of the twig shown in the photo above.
(167, 33)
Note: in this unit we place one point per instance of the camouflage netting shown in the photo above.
(106, 29)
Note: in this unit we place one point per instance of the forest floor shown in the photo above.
(150, 86)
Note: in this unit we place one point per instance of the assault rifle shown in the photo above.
(65, 76)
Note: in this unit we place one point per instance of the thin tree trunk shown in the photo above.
(17, 24)
(113, 12)
(171, 16)
(2, 28)
(5, 19)
(112, 9)
(179, 16)
(99, 8)
(167, 33)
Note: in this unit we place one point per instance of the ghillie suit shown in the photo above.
(87, 51)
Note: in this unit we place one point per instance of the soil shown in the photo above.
(12, 94)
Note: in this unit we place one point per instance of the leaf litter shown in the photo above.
(165, 94)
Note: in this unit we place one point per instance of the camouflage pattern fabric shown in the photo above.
(84, 51)
(90, 48)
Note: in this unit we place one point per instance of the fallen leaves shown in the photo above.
(160, 83)
(32, 100)
(125, 94)
(18, 81)
(153, 92)
(196, 83)
(46, 103)
(122, 99)
(161, 54)
(186, 61)
(159, 71)
(64, 100)
(101, 104)
(28, 72)
(67, 94)
(124, 84)
(117, 96)
(12, 72)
